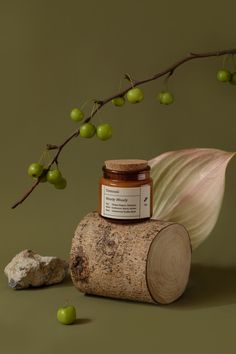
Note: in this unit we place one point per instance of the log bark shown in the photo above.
(147, 261)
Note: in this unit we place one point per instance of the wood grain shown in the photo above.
(146, 261)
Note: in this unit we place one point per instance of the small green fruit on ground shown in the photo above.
(118, 101)
(66, 315)
(87, 130)
(61, 184)
(54, 176)
(135, 95)
(76, 115)
(35, 170)
(223, 75)
(233, 79)
(104, 131)
(165, 97)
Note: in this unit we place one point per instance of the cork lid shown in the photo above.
(126, 165)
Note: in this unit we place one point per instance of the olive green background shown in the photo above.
(56, 54)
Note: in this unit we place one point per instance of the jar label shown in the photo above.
(126, 203)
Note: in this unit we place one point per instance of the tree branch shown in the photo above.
(100, 103)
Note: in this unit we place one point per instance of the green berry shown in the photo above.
(76, 115)
(61, 184)
(118, 101)
(35, 170)
(87, 130)
(223, 75)
(159, 96)
(104, 131)
(54, 176)
(135, 95)
(66, 315)
(165, 97)
(233, 79)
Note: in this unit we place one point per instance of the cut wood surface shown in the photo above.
(146, 261)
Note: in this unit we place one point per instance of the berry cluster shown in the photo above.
(88, 130)
(135, 95)
(104, 131)
(224, 75)
(38, 172)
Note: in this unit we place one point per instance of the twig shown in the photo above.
(100, 103)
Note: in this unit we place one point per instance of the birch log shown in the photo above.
(147, 261)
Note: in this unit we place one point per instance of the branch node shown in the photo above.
(128, 77)
(171, 73)
(52, 147)
(99, 102)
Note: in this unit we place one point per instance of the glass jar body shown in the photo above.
(126, 196)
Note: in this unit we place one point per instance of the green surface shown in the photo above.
(202, 321)
(54, 56)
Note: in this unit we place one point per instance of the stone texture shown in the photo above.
(29, 269)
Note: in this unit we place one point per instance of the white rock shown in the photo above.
(28, 268)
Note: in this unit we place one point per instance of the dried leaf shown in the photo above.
(189, 188)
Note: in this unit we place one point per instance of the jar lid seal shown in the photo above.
(126, 165)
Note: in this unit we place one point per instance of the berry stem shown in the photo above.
(86, 102)
(100, 103)
(233, 61)
(129, 78)
(95, 105)
(225, 58)
(166, 82)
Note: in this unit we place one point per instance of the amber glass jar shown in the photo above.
(125, 190)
